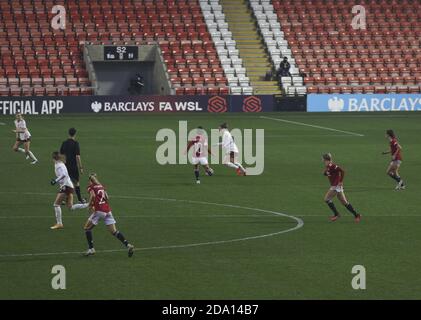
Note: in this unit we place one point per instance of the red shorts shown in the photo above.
(67, 190)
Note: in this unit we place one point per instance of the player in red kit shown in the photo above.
(201, 151)
(395, 151)
(100, 210)
(336, 177)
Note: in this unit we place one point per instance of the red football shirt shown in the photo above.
(334, 173)
(394, 147)
(200, 145)
(100, 199)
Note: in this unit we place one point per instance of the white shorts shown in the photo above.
(338, 189)
(98, 215)
(231, 149)
(396, 163)
(201, 160)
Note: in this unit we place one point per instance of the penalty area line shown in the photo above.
(312, 126)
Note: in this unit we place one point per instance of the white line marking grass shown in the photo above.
(300, 224)
(312, 126)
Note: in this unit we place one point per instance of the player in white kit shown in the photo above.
(65, 192)
(201, 151)
(23, 136)
(231, 150)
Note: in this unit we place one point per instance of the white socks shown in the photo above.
(240, 166)
(57, 210)
(231, 165)
(79, 206)
(31, 155)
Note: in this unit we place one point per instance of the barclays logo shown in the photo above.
(363, 102)
(335, 104)
(96, 106)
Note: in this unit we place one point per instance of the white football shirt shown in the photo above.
(21, 125)
(228, 142)
(61, 172)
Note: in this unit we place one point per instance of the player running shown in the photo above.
(336, 178)
(70, 148)
(201, 150)
(395, 151)
(23, 136)
(231, 150)
(100, 209)
(65, 192)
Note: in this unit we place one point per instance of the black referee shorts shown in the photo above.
(73, 173)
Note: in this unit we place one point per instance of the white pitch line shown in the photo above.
(300, 224)
(2, 124)
(149, 216)
(206, 216)
(313, 126)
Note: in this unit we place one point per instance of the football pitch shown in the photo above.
(231, 237)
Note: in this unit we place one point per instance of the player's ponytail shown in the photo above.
(93, 178)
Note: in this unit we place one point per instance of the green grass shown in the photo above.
(313, 262)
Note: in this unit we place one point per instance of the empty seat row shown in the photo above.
(336, 58)
(25, 33)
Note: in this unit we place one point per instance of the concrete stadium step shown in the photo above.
(242, 24)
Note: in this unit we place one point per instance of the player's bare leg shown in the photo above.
(342, 198)
(401, 184)
(29, 153)
(330, 195)
(393, 172)
(57, 211)
(16, 148)
(113, 230)
(88, 233)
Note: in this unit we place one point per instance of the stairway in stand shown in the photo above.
(242, 24)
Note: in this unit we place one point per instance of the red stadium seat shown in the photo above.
(179, 91)
(190, 91)
(57, 57)
(223, 91)
(315, 31)
(213, 90)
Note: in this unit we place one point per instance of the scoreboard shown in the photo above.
(121, 53)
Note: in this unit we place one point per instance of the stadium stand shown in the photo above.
(38, 60)
(226, 47)
(383, 58)
(326, 54)
(277, 45)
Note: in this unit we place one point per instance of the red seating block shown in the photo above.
(51, 60)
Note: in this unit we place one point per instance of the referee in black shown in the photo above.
(71, 150)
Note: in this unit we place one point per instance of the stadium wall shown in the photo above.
(118, 83)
